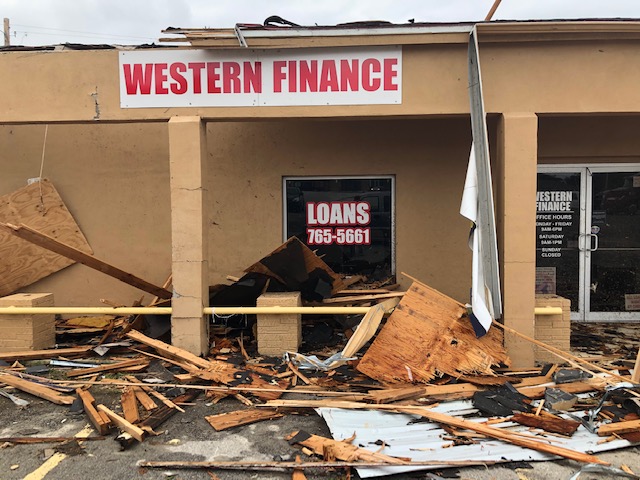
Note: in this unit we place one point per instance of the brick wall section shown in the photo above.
(554, 330)
(278, 334)
(27, 332)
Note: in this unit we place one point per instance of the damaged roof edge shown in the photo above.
(501, 26)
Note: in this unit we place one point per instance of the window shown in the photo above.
(349, 221)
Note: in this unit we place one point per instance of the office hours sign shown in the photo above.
(555, 221)
(245, 78)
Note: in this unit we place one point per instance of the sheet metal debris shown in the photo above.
(354, 366)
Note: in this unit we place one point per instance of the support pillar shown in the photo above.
(189, 233)
(516, 225)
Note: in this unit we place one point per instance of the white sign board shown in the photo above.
(244, 78)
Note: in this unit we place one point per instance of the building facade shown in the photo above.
(164, 176)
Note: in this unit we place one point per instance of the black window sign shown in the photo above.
(557, 231)
(554, 221)
(346, 220)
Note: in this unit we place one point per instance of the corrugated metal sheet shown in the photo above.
(423, 441)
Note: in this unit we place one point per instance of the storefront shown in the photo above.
(588, 238)
(200, 161)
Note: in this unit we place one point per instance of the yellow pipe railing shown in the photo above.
(210, 310)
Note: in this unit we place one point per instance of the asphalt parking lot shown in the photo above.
(188, 437)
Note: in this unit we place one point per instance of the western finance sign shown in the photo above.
(241, 78)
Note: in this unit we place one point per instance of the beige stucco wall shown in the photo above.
(115, 181)
(589, 139)
(588, 76)
(115, 177)
(428, 158)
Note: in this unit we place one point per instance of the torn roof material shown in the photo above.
(422, 441)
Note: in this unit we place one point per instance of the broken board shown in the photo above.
(224, 421)
(39, 206)
(295, 265)
(428, 332)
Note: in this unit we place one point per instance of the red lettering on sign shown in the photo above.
(175, 71)
(137, 78)
(196, 68)
(278, 75)
(231, 77)
(390, 73)
(212, 77)
(349, 75)
(304, 75)
(309, 76)
(252, 77)
(293, 76)
(329, 77)
(369, 67)
(159, 70)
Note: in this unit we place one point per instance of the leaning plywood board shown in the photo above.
(39, 206)
(428, 333)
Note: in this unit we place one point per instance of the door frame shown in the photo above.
(586, 170)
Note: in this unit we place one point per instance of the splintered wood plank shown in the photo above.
(157, 417)
(395, 394)
(362, 298)
(42, 354)
(331, 449)
(169, 350)
(145, 400)
(619, 428)
(368, 327)
(505, 435)
(428, 332)
(588, 385)
(548, 423)
(224, 421)
(298, 474)
(216, 371)
(23, 263)
(129, 406)
(45, 241)
(123, 424)
(107, 368)
(36, 389)
(99, 419)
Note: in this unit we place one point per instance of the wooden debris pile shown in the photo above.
(424, 354)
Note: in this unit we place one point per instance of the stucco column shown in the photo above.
(189, 238)
(516, 223)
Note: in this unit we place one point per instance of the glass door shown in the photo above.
(588, 239)
(613, 244)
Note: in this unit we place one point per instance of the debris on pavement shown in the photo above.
(407, 387)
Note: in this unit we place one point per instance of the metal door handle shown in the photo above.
(582, 245)
(595, 247)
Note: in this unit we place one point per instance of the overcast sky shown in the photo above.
(46, 22)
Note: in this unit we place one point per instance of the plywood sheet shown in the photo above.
(40, 207)
(428, 333)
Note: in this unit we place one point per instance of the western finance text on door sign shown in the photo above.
(554, 201)
(554, 217)
(237, 78)
(342, 223)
